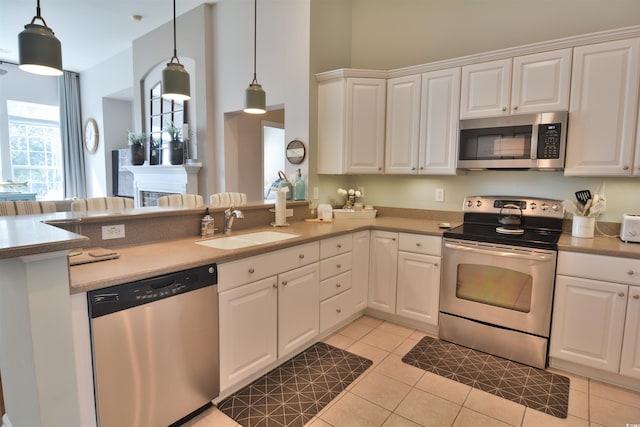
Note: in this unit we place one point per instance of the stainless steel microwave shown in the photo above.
(527, 141)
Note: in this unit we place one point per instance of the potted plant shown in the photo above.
(176, 147)
(155, 152)
(136, 142)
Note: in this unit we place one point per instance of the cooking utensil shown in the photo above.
(583, 196)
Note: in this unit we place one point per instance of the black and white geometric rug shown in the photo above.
(294, 392)
(528, 386)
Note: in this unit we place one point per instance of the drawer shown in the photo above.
(335, 310)
(336, 265)
(335, 246)
(599, 267)
(334, 285)
(247, 270)
(421, 244)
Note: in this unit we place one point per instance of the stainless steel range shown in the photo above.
(498, 276)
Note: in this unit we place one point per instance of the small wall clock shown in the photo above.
(91, 136)
(295, 152)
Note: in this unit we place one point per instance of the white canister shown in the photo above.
(583, 226)
(325, 211)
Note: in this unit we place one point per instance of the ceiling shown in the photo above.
(90, 31)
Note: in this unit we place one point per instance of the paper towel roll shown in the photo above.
(281, 206)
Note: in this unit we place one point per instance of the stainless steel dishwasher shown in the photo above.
(155, 348)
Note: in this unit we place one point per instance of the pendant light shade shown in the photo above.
(176, 84)
(255, 97)
(39, 49)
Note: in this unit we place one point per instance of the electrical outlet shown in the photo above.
(361, 191)
(439, 194)
(113, 232)
(316, 193)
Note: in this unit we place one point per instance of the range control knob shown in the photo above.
(544, 207)
(469, 203)
(555, 207)
(533, 206)
(478, 203)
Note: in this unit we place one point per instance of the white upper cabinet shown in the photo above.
(351, 123)
(486, 89)
(603, 111)
(403, 125)
(422, 123)
(525, 84)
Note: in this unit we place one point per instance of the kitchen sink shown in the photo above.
(245, 240)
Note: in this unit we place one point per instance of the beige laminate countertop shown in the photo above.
(153, 259)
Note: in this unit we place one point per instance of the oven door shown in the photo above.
(509, 286)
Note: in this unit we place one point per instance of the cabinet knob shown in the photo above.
(625, 168)
(338, 285)
(379, 168)
(421, 167)
(339, 245)
(393, 238)
(418, 244)
(435, 264)
(630, 273)
(515, 107)
(339, 266)
(284, 283)
(275, 285)
(504, 108)
(251, 270)
(413, 168)
(636, 296)
(620, 294)
(338, 310)
(301, 256)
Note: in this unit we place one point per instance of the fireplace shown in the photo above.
(151, 182)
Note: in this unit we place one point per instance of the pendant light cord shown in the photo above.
(255, 39)
(38, 16)
(175, 50)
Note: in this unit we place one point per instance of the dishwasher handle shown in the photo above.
(128, 295)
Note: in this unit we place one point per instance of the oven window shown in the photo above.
(495, 286)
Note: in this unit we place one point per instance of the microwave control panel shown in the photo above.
(549, 140)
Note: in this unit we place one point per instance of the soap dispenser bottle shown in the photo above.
(207, 225)
(299, 188)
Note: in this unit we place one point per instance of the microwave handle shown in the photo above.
(534, 140)
(499, 252)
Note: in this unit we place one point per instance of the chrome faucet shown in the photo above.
(229, 215)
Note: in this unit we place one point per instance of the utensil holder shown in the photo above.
(583, 226)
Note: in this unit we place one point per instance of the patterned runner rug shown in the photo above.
(534, 388)
(292, 393)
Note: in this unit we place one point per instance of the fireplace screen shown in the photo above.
(150, 198)
(496, 286)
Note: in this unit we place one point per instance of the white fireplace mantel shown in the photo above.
(176, 179)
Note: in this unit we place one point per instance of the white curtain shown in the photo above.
(71, 135)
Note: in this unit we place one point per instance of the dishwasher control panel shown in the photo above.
(128, 295)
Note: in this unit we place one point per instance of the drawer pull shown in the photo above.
(301, 256)
(251, 270)
(620, 294)
(284, 283)
(339, 245)
(435, 264)
(338, 310)
(275, 285)
(630, 273)
(636, 296)
(418, 244)
(338, 285)
(339, 266)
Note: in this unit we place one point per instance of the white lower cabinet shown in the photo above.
(383, 269)
(418, 287)
(360, 269)
(596, 319)
(270, 318)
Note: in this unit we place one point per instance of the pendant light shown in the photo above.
(175, 79)
(255, 98)
(39, 50)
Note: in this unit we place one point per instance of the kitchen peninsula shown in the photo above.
(47, 369)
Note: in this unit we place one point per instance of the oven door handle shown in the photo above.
(534, 256)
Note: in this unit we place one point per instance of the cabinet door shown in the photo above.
(383, 268)
(418, 287)
(364, 137)
(541, 82)
(486, 89)
(603, 109)
(403, 125)
(588, 320)
(439, 125)
(298, 308)
(360, 270)
(248, 330)
(630, 360)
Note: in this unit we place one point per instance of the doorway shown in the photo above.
(273, 155)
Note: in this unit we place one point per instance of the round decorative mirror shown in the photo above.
(295, 152)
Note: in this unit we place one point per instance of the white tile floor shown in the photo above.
(392, 393)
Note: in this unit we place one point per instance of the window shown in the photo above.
(162, 113)
(35, 148)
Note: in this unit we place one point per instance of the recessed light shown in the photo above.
(136, 17)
